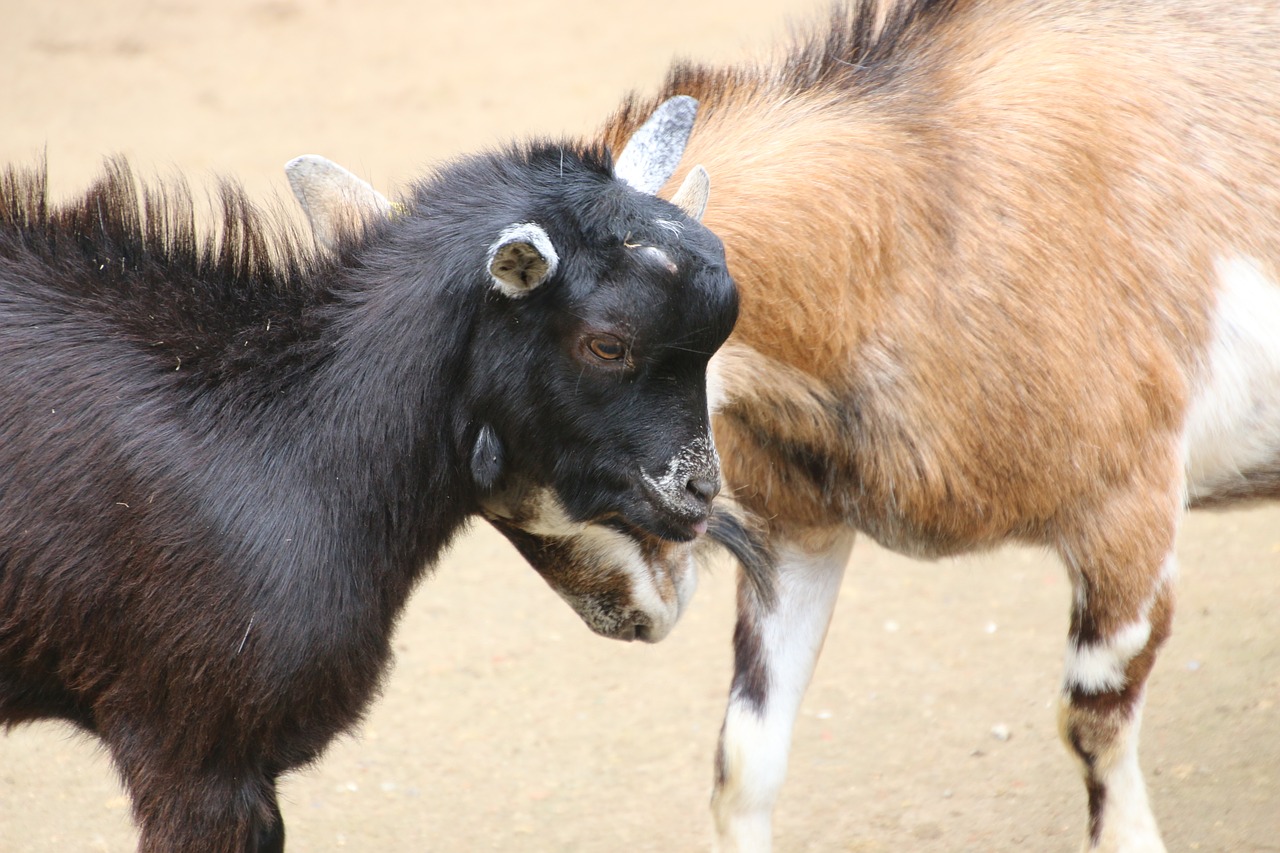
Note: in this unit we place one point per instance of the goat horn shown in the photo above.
(654, 150)
(333, 198)
(694, 193)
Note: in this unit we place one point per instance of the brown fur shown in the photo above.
(959, 279)
(975, 247)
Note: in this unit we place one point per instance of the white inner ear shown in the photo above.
(522, 258)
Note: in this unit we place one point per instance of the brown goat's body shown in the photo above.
(992, 256)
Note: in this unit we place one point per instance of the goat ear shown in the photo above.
(487, 459)
(652, 153)
(694, 193)
(521, 259)
(334, 199)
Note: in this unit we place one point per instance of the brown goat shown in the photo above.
(1009, 273)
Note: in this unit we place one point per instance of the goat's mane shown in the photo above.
(136, 256)
(860, 45)
(149, 234)
(863, 42)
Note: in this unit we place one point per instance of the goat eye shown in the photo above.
(607, 349)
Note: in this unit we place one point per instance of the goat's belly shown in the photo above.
(1232, 433)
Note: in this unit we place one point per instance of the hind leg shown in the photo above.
(775, 649)
(1123, 578)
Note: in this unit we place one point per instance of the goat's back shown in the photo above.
(980, 247)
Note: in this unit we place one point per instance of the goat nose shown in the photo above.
(704, 488)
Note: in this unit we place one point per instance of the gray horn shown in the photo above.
(654, 150)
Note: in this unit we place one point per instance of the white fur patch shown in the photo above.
(1233, 426)
(611, 551)
(755, 745)
(1100, 667)
(1127, 823)
(698, 458)
(670, 226)
(717, 390)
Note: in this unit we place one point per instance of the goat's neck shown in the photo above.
(365, 477)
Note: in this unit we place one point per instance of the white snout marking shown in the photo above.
(1233, 426)
(697, 458)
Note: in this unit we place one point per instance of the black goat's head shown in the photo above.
(589, 443)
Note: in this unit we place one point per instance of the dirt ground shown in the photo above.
(505, 724)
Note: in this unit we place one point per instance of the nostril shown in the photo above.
(704, 488)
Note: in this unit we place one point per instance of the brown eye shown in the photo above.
(607, 349)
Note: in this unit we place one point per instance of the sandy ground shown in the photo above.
(505, 724)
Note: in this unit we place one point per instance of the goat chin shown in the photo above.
(626, 586)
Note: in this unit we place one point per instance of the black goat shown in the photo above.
(225, 461)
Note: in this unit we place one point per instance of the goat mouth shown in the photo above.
(661, 530)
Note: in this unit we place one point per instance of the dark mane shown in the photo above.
(854, 48)
(135, 254)
(851, 52)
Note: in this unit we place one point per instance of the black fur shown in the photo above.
(742, 535)
(224, 462)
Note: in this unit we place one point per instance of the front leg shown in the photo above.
(776, 646)
(1123, 575)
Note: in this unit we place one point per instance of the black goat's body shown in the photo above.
(223, 468)
(185, 543)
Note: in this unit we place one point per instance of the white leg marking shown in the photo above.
(1100, 668)
(1127, 824)
(1233, 425)
(755, 743)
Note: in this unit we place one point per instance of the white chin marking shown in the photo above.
(1233, 425)
(659, 590)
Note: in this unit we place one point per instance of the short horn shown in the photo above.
(333, 198)
(651, 155)
(694, 193)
